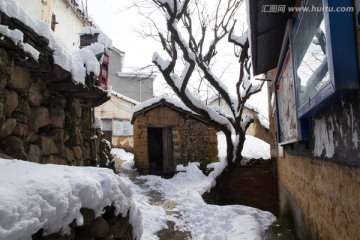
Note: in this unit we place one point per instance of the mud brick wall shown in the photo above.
(322, 197)
(254, 185)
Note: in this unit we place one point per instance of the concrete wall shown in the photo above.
(69, 24)
(192, 140)
(137, 88)
(116, 65)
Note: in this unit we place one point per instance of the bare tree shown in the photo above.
(186, 41)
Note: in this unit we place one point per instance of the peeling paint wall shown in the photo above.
(319, 180)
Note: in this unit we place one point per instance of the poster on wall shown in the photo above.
(286, 103)
(106, 125)
(122, 128)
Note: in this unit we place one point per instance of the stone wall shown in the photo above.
(45, 117)
(107, 226)
(192, 140)
(38, 124)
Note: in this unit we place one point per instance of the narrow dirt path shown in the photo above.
(156, 199)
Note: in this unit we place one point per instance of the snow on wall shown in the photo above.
(18, 39)
(35, 196)
(73, 63)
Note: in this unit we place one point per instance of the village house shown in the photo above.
(258, 128)
(167, 133)
(115, 117)
(128, 89)
(65, 17)
(138, 86)
(311, 58)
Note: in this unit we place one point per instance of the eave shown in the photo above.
(266, 32)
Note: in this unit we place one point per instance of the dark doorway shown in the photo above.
(160, 151)
(107, 135)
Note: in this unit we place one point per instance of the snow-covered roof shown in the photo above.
(78, 63)
(119, 95)
(115, 49)
(35, 196)
(164, 100)
(151, 76)
(102, 37)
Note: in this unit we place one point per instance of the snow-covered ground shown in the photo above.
(35, 196)
(182, 204)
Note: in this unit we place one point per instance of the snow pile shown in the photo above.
(126, 158)
(18, 38)
(101, 36)
(253, 147)
(62, 56)
(34, 196)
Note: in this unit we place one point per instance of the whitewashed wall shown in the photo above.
(69, 24)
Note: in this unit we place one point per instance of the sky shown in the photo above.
(121, 21)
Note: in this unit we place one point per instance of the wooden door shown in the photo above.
(168, 150)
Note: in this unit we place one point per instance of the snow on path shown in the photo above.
(179, 200)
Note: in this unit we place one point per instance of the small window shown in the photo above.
(53, 22)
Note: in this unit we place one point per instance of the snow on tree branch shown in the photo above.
(194, 31)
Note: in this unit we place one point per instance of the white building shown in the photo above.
(115, 118)
(65, 17)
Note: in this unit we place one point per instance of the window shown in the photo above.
(311, 62)
(318, 66)
(106, 124)
(325, 60)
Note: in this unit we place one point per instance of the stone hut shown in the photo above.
(167, 133)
